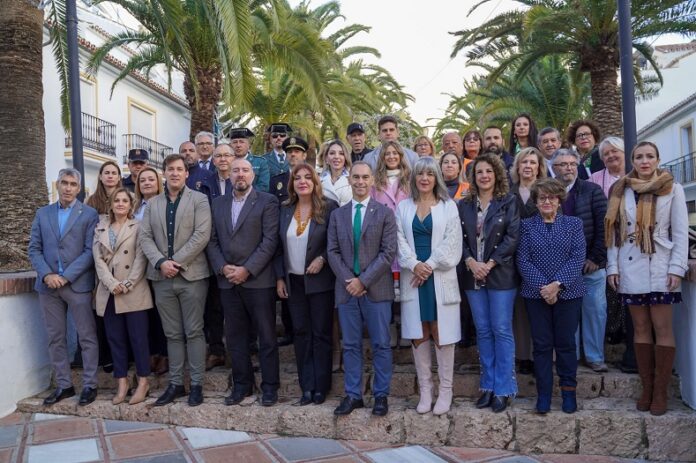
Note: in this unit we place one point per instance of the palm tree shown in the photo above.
(23, 176)
(584, 32)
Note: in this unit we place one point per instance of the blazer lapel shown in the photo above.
(126, 232)
(53, 219)
(368, 216)
(248, 205)
(285, 220)
(227, 216)
(74, 215)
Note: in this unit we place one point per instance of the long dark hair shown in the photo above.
(531, 137)
(100, 199)
(318, 200)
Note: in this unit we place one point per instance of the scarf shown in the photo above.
(615, 222)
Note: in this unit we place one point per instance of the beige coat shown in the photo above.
(125, 261)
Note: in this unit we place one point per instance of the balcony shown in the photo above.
(683, 169)
(97, 134)
(158, 151)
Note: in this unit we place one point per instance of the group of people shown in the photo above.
(522, 242)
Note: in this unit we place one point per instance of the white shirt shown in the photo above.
(362, 210)
(549, 168)
(223, 183)
(297, 248)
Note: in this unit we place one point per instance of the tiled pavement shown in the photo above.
(41, 438)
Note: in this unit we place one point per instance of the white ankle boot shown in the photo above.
(423, 361)
(445, 370)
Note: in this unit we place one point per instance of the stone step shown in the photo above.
(602, 426)
(614, 383)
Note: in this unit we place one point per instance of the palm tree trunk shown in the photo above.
(23, 154)
(203, 107)
(606, 100)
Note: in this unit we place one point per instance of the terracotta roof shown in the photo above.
(685, 102)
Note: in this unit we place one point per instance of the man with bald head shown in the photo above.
(452, 142)
(246, 279)
(199, 179)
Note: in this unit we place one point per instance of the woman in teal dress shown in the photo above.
(430, 247)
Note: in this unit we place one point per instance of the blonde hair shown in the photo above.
(381, 171)
(519, 157)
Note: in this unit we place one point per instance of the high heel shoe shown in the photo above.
(122, 391)
(140, 392)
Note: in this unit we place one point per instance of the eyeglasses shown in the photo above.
(278, 135)
(547, 199)
(565, 165)
(422, 145)
(204, 143)
(583, 135)
(222, 155)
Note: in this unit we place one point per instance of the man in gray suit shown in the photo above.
(388, 130)
(174, 233)
(361, 248)
(241, 250)
(60, 250)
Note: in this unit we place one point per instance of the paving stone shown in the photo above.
(366, 446)
(141, 443)
(145, 411)
(471, 454)
(254, 418)
(13, 418)
(113, 426)
(426, 429)
(200, 437)
(168, 458)
(48, 416)
(344, 459)
(611, 433)
(6, 455)
(9, 435)
(480, 428)
(671, 436)
(240, 453)
(62, 429)
(414, 453)
(551, 433)
(210, 414)
(72, 451)
(305, 448)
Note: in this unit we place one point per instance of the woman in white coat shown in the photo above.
(430, 247)
(334, 177)
(646, 230)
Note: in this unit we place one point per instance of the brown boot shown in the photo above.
(664, 359)
(645, 359)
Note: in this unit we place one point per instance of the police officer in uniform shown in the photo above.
(239, 141)
(137, 161)
(277, 158)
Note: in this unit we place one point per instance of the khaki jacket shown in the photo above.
(125, 261)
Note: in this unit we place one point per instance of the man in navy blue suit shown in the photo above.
(60, 250)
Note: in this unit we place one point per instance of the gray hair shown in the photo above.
(614, 142)
(362, 163)
(565, 152)
(70, 172)
(204, 134)
(546, 131)
(428, 165)
(223, 141)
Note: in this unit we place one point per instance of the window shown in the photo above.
(141, 120)
(88, 96)
(686, 136)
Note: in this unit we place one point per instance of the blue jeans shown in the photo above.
(376, 315)
(594, 316)
(492, 310)
(553, 328)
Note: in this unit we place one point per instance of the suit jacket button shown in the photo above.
(127, 267)
(630, 258)
(126, 251)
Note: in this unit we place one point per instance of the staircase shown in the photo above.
(607, 422)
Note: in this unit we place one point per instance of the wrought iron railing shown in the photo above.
(683, 169)
(157, 151)
(97, 134)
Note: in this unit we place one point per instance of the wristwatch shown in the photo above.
(561, 286)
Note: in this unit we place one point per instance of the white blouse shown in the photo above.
(297, 248)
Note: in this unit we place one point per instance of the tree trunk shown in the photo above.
(23, 154)
(606, 101)
(209, 92)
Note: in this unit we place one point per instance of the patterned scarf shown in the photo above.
(615, 222)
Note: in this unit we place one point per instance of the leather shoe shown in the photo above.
(87, 396)
(381, 407)
(319, 398)
(485, 400)
(269, 398)
(348, 405)
(285, 341)
(162, 366)
(195, 397)
(306, 399)
(58, 395)
(214, 361)
(236, 397)
(500, 403)
(172, 393)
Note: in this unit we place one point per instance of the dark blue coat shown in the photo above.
(202, 180)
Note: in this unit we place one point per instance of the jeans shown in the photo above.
(492, 310)
(594, 317)
(553, 328)
(376, 316)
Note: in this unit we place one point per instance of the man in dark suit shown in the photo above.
(586, 200)
(241, 250)
(205, 142)
(199, 178)
(361, 248)
(60, 250)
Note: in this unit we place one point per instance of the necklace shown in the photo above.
(301, 225)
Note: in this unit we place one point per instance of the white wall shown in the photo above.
(24, 358)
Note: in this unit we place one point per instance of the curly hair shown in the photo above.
(500, 188)
(318, 199)
(572, 130)
(381, 171)
(550, 186)
(530, 151)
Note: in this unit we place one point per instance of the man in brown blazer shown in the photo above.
(174, 232)
(241, 251)
(361, 248)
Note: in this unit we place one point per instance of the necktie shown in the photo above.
(357, 229)
(281, 158)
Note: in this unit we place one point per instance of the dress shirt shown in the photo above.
(171, 219)
(222, 182)
(238, 205)
(204, 164)
(297, 248)
(138, 215)
(362, 211)
(63, 216)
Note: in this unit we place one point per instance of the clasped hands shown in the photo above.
(421, 272)
(550, 292)
(235, 274)
(480, 269)
(55, 281)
